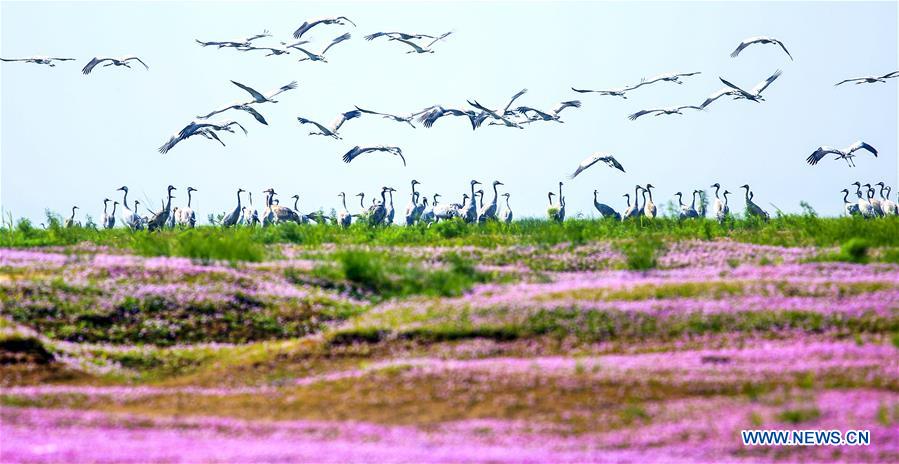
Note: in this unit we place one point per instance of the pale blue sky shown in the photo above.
(73, 139)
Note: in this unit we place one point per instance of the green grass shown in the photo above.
(383, 275)
(210, 242)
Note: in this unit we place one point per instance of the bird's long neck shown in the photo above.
(362, 201)
(747, 194)
(845, 196)
(188, 197)
(391, 198)
(680, 200)
(472, 191)
(73, 213)
(496, 194)
(507, 203)
(716, 190)
(383, 196)
(594, 198)
(434, 203)
(636, 193)
(881, 191)
(413, 190)
(644, 197)
(550, 196)
(560, 192)
(650, 194)
(343, 201)
(113, 208)
(238, 200)
(725, 199)
(693, 201)
(125, 200)
(106, 203)
(295, 204)
(168, 203)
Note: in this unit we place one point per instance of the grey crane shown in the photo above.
(105, 218)
(38, 60)
(620, 92)
(413, 204)
(194, 128)
(850, 208)
(418, 48)
(469, 210)
(661, 111)
(488, 211)
(759, 40)
(430, 115)
(335, 125)
(870, 79)
(889, 207)
(70, 221)
(237, 43)
(606, 158)
(405, 119)
(231, 218)
(738, 93)
(357, 150)
(304, 28)
(260, 98)
(378, 211)
(634, 210)
(667, 77)
(845, 154)
(501, 114)
(605, 210)
(719, 208)
(310, 56)
(161, 218)
(753, 209)
(237, 106)
(427, 214)
(391, 212)
(864, 207)
(123, 61)
(533, 114)
(875, 203)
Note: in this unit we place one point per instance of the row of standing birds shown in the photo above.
(472, 208)
(868, 205)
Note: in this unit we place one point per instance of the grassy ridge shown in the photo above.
(246, 244)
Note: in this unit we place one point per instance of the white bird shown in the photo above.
(130, 218)
(408, 38)
(195, 128)
(661, 111)
(606, 158)
(759, 40)
(501, 115)
(237, 43)
(260, 98)
(449, 210)
(105, 218)
(725, 212)
(649, 208)
(717, 204)
(890, 208)
(686, 211)
(357, 150)
(427, 214)
(870, 79)
(845, 154)
(430, 115)
(378, 211)
(310, 24)
(413, 204)
(39, 60)
(505, 214)
(875, 203)
(161, 219)
(391, 212)
(123, 61)
(344, 218)
(850, 208)
(864, 207)
(407, 120)
(605, 210)
(544, 116)
(187, 217)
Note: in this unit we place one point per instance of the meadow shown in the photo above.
(534, 341)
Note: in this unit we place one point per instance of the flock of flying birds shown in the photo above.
(508, 115)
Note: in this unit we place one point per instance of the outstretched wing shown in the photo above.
(732, 86)
(138, 60)
(354, 152)
(514, 97)
(259, 117)
(849, 80)
(319, 126)
(641, 113)
(586, 163)
(890, 75)
(305, 28)
(282, 89)
(860, 145)
(717, 95)
(567, 104)
(612, 162)
(413, 45)
(336, 41)
(820, 153)
(764, 84)
(784, 47)
(258, 97)
(437, 39)
(92, 64)
(739, 49)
